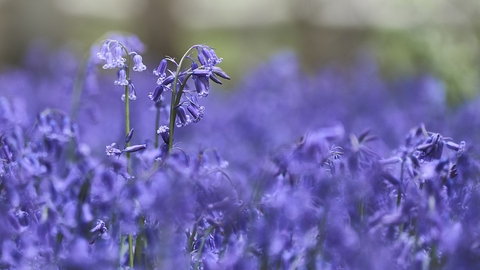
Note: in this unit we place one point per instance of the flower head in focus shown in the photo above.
(207, 69)
(112, 52)
(138, 64)
(118, 52)
(201, 71)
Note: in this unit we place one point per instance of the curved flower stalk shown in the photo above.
(113, 53)
(184, 106)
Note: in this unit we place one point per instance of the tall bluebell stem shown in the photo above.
(158, 106)
(112, 52)
(176, 96)
(127, 108)
(129, 164)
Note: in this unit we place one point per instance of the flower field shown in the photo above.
(110, 163)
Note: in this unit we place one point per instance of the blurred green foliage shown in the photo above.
(452, 55)
(244, 48)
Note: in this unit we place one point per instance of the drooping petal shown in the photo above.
(155, 96)
(183, 118)
(218, 71)
(202, 86)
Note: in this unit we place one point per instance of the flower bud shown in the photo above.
(135, 148)
(129, 136)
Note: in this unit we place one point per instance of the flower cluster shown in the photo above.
(113, 52)
(185, 100)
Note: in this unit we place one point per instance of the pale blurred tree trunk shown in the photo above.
(323, 44)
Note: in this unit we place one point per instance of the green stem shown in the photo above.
(140, 243)
(122, 247)
(127, 124)
(175, 97)
(127, 106)
(399, 192)
(180, 91)
(130, 251)
(434, 259)
(191, 239)
(157, 121)
(129, 163)
(172, 119)
(399, 198)
(127, 130)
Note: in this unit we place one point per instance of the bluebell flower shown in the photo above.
(135, 148)
(211, 72)
(129, 135)
(118, 55)
(195, 112)
(132, 93)
(166, 81)
(156, 95)
(98, 231)
(432, 148)
(138, 64)
(207, 56)
(161, 69)
(201, 85)
(201, 74)
(164, 131)
(112, 52)
(122, 77)
(183, 118)
(104, 50)
(163, 83)
(111, 150)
